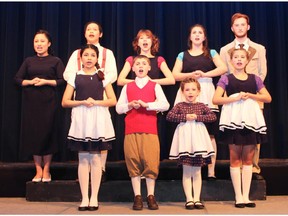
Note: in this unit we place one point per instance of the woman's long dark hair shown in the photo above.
(206, 50)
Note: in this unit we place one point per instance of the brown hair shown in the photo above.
(237, 16)
(205, 42)
(154, 38)
(142, 57)
(189, 80)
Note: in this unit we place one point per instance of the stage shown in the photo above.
(16, 182)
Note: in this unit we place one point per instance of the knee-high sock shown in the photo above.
(211, 167)
(246, 182)
(83, 175)
(136, 185)
(150, 184)
(187, 182)
(196, 182)
(103, 159)
(235, 174)
(96, 174)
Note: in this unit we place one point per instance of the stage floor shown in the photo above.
(273, 205)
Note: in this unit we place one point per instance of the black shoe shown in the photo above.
(250, 205)
(138, 203)
(151, 202)
(239, 205)
(92, 208)
(256, 176)
(189, 205)
(198, 205)
(104, 177)
(82, 208)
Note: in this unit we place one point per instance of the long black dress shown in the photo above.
(39, 106)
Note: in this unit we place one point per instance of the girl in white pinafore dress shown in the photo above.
(241, 121)
(191, 144)
(91, 129)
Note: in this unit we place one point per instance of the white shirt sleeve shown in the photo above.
(72, 66)
(110, 69)
(160, 104)
(122, 103)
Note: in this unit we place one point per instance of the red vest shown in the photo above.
(140, 120)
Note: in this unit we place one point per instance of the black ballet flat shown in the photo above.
(83, 208)
(92, 208)
(240, 205)
(250, 205)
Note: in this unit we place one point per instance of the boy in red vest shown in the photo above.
(140, 100)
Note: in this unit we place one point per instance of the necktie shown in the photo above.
(241, 46)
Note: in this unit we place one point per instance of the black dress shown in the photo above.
(39, 106)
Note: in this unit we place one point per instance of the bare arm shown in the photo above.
(169, 79)
(111, 97)
(177, 71)
(219, 97)
(68, 102)
(123, 74)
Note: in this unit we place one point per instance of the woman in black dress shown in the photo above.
(39, 76)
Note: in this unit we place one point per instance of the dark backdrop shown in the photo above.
(121, 21)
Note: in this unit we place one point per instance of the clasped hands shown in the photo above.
(38, 81)
(136, 104)
(191, 117)
(197, 74)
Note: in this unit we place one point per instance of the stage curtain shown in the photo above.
(121, 21)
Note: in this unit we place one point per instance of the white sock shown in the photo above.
(196, 182)
(136, 185)
(246, 182)
(150, 184)
(83, 175)
(104, 155)
(187, 183)
(96, 174)
(236, 181)
(211, 167)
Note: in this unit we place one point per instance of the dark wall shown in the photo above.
(121, 21)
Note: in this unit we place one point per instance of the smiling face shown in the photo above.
(141, 67)
(191, 91)
(41, 44)
(92, 33)
(239, 59)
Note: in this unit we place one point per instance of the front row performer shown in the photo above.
(140, 100)
(91, 129)
(241, 121)
(191, 144)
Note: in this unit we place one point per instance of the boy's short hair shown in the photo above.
(189, 80)
(142, 57)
